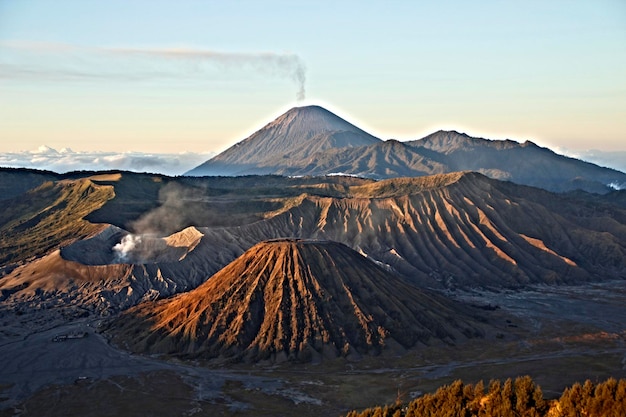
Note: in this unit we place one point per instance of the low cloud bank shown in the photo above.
(609, 159)
(66, 160)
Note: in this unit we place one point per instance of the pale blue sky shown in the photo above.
(170, 76)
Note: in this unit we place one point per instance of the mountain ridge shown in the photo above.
(451, 140)
(460, 230)
(321, 143)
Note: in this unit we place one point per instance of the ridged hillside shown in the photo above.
(389, 159)
(460, 229)
(294, 300)
(455, 230)
(37, 222)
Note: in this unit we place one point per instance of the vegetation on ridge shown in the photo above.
(513, 398)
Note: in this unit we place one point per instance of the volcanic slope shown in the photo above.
(68, 242)
(38, 221)
(388, 159)
(296, 135)
(293, 299)
(451, 230)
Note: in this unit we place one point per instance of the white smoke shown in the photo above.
(124, 250)
(617, 186)
(175, 212)
(143, 249)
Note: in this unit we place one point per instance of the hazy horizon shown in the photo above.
(164, 77)
(173, 164)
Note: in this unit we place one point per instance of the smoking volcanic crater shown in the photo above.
(116, 246)
(292, 299)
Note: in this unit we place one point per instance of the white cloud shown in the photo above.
(66, 160)
(612, 159)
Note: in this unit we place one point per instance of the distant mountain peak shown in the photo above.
(299, 132)
(309, 121)
(448, 141)
(450, 133)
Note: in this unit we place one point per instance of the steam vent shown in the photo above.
(299, 300)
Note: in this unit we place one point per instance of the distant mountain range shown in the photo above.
(313, 141)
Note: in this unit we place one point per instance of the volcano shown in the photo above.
(296, 135)
(300, 300)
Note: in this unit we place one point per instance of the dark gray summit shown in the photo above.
(295, 136)
(313, 141)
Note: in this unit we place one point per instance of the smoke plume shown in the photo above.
(175, 212)
(180, 206)
(63, 62)
(144, 248)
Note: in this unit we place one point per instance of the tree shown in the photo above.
(519, 398)
(529, 400)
